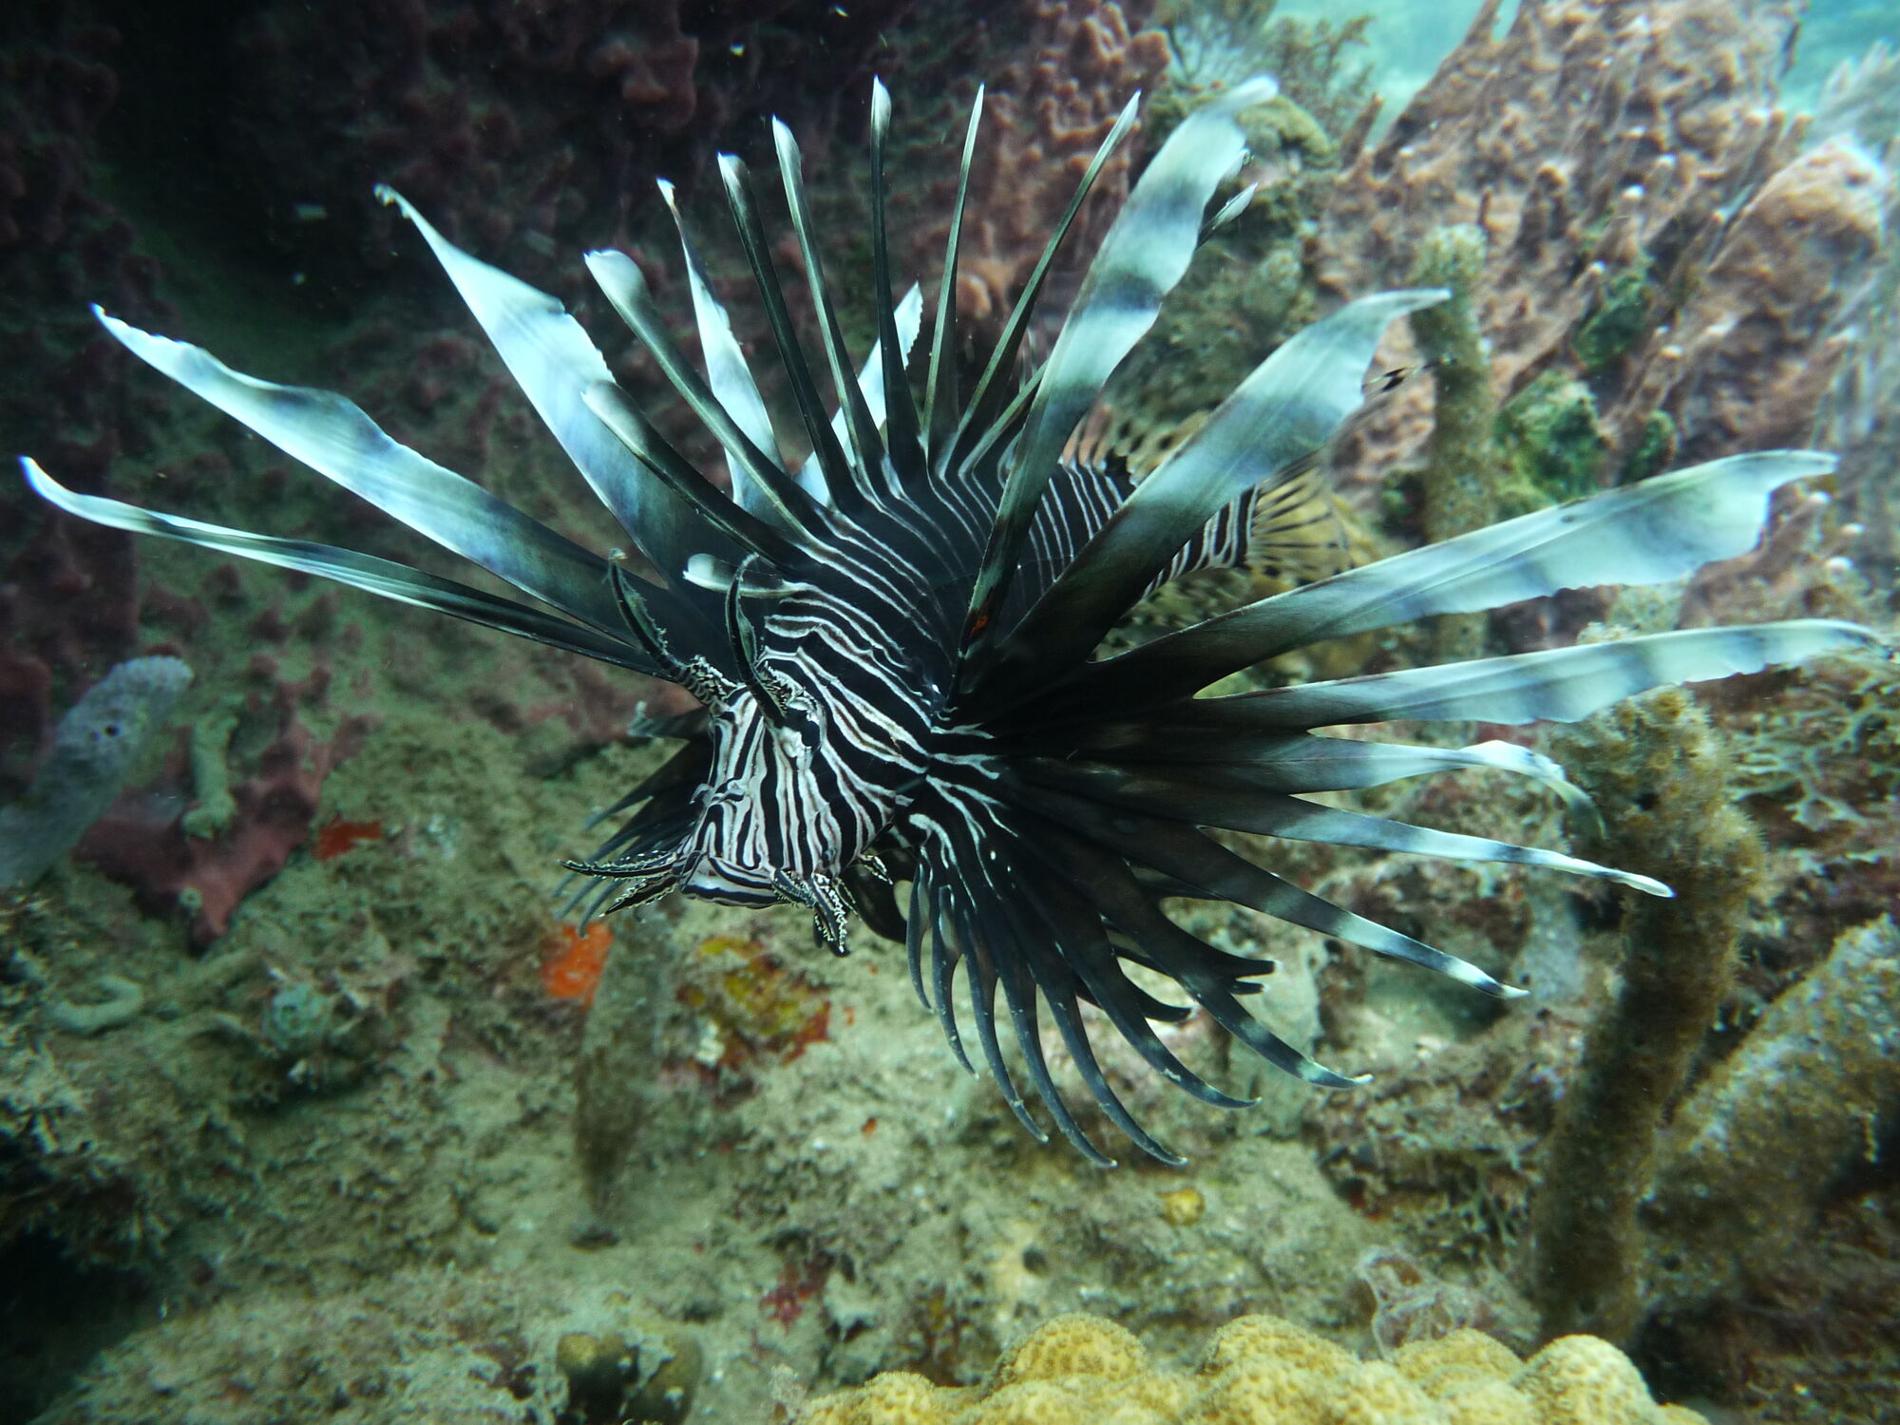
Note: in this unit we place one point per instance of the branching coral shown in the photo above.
(1460, 458)
(1461, 467)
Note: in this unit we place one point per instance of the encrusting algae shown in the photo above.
(1261, 1370)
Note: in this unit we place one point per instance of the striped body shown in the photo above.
(808, 795)
(899, 643)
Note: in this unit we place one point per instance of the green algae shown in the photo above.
(1653, 451)
(1552, 443)
(1621, 317)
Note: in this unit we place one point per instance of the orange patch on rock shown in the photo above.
(573, 960)
(338, 836)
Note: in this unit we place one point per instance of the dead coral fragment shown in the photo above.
(1259, 1370)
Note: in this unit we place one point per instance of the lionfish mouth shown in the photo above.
(895, 641)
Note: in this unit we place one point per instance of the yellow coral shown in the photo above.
(1260, 1370)
(1463, 1352)
(1260, 1392)
(1247, 1338)
(1073, 1345)
(1469, 1374)
(1494, 1402)
(1583, 1380)
(1376, 1394)
(894, 1398)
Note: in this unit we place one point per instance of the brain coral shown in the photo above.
(1260, 1370)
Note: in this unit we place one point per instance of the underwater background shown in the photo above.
(316, 1102)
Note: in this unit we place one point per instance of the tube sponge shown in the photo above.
(1658, 769)
(95, 748)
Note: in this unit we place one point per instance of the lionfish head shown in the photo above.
(896, 643)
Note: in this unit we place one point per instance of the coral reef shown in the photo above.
(58, 1178)
(434, 1343)
(67, 596)
(1448, 1144)
(613, 1075)
(1412, 1305)
(1260, 1370)
(644, 1371)
(1247, 290)
(751, 1005)
(1649, 230)
(1858, 419)
(62, 239)
(372, 1160)
(1051, 101)
(1320, 66)
(1859, 97)
(1818, 759)
(1747, 362)
(1811, 1341)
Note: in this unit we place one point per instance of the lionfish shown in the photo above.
(897, 643)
